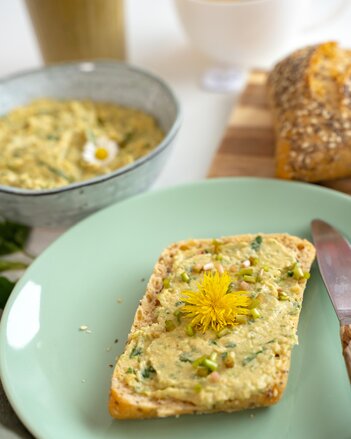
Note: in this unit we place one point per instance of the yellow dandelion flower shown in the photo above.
(212, 306)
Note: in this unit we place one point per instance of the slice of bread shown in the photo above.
(172, 366)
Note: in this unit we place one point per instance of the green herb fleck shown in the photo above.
(251, 357)
(6, 286)
(184, 358)
(189, 330)
(230, 345)
(166, 282)
(148, 371)
(135, 352)
(216, 246)
(11, 265)
(130, 370)
(256, 243)
(197, 388)
(52, 137)
(185, 277)
(56, 171)
(170, 325)
(13, 237)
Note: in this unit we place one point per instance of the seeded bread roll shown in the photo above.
(172, 366)
(310, 97)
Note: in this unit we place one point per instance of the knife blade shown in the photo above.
(334, 261)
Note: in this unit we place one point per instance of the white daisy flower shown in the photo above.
(101, 152)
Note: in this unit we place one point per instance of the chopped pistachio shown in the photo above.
(170, 325)
(216, 246)
(241, 318)
(198, 361)
(229, 360)
(249, 279)
(185, 277)
(166, 282)
(254, 303)
(244, 271)
(255, 313)
(178, 313)
(189, 330)
(297, 272)
(197, 388)
(196, 268)
(213, 356)
(282, 296)
(210, 364)
(223, 332)
(202, 371)
(253, 260)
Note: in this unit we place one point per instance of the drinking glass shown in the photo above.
(78, 29)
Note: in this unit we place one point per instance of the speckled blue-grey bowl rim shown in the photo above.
(170, 135)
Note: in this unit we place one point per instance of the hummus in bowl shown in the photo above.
(50, 143)
(125, 122)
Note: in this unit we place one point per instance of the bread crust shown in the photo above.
(126, 404)
(309, 94)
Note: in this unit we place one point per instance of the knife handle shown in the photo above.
(345, 334)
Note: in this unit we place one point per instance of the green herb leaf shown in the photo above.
(230, 345)
(11, 265)
(271, 341)
(135, 352)
(6, 286)
(13, 237)
(251, 357)
(52, 137)
(148, 371)
(127, 138)
(184, 358)
(256, 243)
(89, 134)
(56, 171)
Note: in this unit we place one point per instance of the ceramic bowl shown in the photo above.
(101, 81)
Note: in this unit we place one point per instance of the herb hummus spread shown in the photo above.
(51, 143)
(196, 351)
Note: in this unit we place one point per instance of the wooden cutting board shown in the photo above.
(247, 147)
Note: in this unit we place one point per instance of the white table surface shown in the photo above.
(156, 42)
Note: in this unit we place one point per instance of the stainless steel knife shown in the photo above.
(334, 261)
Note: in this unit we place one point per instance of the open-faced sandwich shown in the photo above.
(215, 328)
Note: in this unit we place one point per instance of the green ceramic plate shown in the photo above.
(57, 378)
